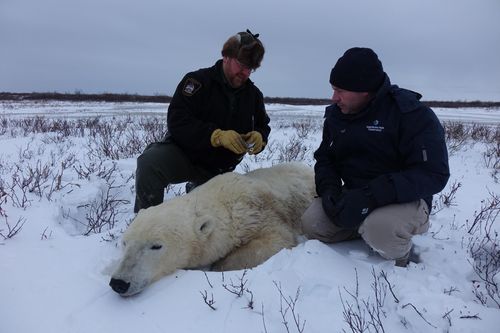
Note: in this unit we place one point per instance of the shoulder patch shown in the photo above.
(191, 86)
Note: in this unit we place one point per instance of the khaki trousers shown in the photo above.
(387, 230)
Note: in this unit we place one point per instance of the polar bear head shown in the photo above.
(165, 238)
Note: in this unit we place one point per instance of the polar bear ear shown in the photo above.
(204, 227)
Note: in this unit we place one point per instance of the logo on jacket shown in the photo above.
(375, 127)
(191, 86)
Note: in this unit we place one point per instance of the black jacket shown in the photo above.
(395, 136)
(202, 103)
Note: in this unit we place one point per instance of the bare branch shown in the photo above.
(210, 302)
(206, 277)
(290, 305)
(419, 313)
(12, 230)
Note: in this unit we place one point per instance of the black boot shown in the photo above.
(411, 256)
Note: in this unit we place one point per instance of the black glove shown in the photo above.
(353, 207)
(328, 201)
(348, 209)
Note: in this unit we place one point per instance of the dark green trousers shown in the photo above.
(161, 164)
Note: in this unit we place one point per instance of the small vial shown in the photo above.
(250, 147)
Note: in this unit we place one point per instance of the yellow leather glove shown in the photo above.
(229, 139)
(254, 142)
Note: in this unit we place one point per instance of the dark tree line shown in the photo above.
(109, 97)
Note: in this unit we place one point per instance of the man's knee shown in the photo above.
(305, 221)
(147, 159)
(161, 164)
(389, 229)
(387, 242)
(150, 179)
(316, 225)
(312, 220)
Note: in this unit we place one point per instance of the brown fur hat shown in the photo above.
(246, 47)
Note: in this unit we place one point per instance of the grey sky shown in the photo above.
(444, 49)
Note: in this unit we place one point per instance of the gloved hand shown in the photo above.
(229, 139)
(328, 201)
(254, 142)
(353, 207)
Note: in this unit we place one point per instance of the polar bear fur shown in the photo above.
(233, 221)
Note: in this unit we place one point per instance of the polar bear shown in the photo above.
(231, 222)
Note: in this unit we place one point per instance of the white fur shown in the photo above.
(231, 222)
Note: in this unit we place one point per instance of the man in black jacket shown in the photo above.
(381, 159)
(216, 116)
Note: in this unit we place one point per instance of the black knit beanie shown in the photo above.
(359, 69)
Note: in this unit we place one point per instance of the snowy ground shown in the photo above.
(53, 278)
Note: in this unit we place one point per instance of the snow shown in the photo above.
(53, 278)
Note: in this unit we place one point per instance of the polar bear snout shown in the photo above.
(119, 286)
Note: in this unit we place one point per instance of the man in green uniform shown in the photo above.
(216, 116)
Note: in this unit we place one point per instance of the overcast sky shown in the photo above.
(444, 49)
